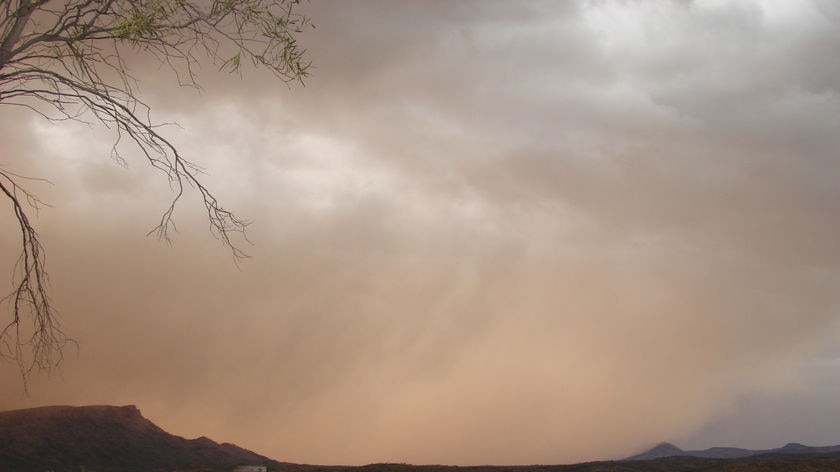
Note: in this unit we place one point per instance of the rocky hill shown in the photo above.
(663, 450)
(105, 439)
(120, 439)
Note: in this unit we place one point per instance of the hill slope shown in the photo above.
(120, 439)
(105, 439)
(663, 450)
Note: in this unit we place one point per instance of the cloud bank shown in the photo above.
(483, 233)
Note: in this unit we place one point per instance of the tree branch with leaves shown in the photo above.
(69, 60)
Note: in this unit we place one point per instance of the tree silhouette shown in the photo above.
(69, 60)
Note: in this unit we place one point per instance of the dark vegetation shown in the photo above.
(671, 464)
(120, 439)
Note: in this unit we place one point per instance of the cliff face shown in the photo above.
(105, 439)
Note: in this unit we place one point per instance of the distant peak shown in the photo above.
(663, 449)
(666, 446)
(794, 446)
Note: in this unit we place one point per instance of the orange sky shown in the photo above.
(484, 232)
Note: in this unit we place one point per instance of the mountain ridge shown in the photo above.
(664, 450)
(106, 439)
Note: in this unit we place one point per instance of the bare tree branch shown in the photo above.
(68, 60)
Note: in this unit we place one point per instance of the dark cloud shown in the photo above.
(484, 232)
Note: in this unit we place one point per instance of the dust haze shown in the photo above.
(483, 232)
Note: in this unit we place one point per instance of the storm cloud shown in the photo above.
(484, 232)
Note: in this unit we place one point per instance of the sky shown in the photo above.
(482, 232)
